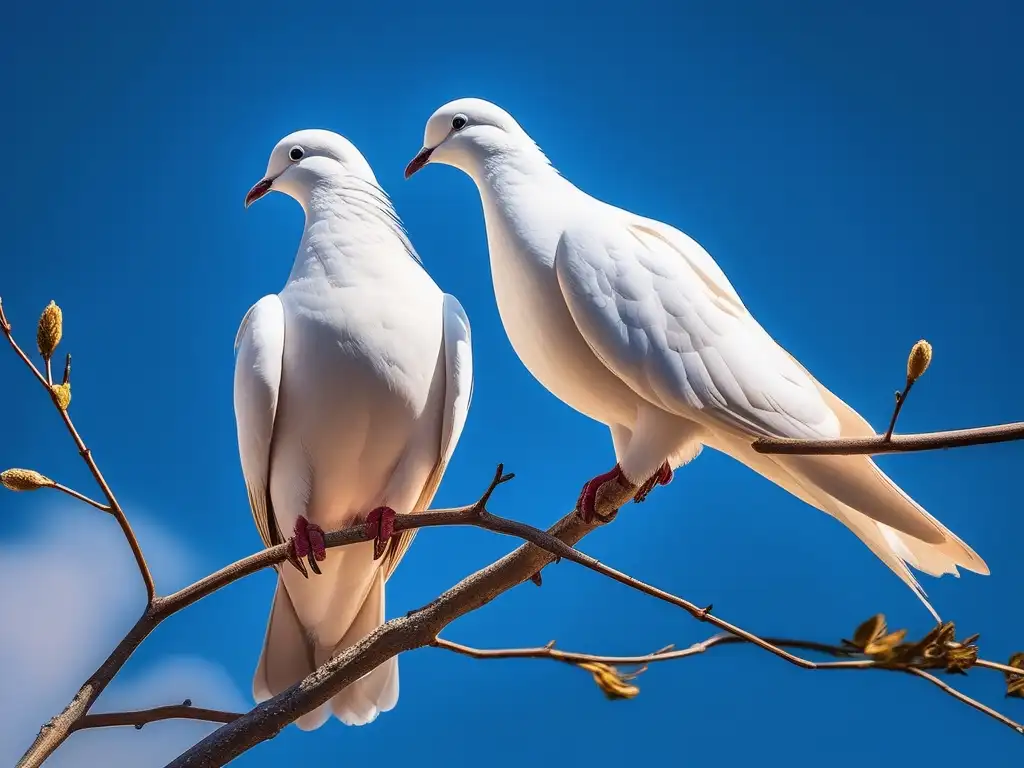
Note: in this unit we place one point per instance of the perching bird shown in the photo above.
(352, 387)
(632, 323)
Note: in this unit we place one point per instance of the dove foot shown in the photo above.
(586, 505)
(308, 543)
(380, 524)
(662, 477)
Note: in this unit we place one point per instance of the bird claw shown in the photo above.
(586, 505)
(662, 477)
(380, 524)
(307, 542)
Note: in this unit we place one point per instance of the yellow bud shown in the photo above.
(24, 480)
(919, 360)
(62, 395)
(51, 327)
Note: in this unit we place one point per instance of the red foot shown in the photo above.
(586, 505)
(308, 542)
(380, 524)
(662, 477)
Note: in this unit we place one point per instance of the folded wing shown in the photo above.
(259, 345)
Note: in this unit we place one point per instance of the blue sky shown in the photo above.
(854, 168)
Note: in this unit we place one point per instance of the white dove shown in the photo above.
(352, 387)
(632, 323)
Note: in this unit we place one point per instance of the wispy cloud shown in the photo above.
(64, 602)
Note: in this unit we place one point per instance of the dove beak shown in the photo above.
(259, 190)
(418, 162)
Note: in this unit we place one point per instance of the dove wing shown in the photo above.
(660, 314)
(259, 346)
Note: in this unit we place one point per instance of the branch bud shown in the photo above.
(50, 329)
(61, 395)
(919, 360)
(24, 480)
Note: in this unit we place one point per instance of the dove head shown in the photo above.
(304, 160)
(471, 133)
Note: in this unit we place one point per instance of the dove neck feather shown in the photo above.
(346, 218)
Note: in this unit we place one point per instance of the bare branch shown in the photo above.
(142, 717)
(669, 654)
(83, 498)
(961, 696)
(924, 441)
(115, 508)
(901, 398)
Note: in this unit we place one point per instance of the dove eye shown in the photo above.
(459, 122)
(295, 153)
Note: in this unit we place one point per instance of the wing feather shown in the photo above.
(672, 328)
(259, 345)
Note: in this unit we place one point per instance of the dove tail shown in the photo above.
(289, 656)
(376, 691)
(894, 548)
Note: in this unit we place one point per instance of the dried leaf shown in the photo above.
(883, 646)
(62, 395)
(49, 330)
(931, 638)
(869, 631)
(962, 658)
(947, 633)
(1015, 683)
(610, 681)
(24, 480)
(919, 360)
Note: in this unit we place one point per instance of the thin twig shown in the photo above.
(1004, 668)
(668, 654)
(86, 454)
(877, 444)
(961, 696)
(83, 498)
(142, 717)
(901, 398)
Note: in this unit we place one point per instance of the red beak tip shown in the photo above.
(262, 187)
(417, 163)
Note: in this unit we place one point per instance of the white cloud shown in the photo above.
(65, 600)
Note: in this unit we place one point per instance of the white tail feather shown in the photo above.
(376, 691)
(289, 656)
(893, 548)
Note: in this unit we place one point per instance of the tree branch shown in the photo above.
(584, 660)
(142, 717)
(82, 498)
(961, 696)
(86, 454)
(925, 441)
